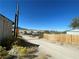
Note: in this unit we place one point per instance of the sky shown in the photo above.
(42, 14)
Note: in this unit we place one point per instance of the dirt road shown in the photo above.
(53, 50)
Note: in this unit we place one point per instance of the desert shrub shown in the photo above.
(47, 31)
(18, 51)
(41, 35)
(7, 42)
(3, 52)
(25, 32)
(22, 42)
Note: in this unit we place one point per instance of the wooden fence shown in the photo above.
(64, 38)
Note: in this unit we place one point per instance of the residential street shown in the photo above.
(53, 50)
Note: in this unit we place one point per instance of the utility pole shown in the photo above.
(16, 21)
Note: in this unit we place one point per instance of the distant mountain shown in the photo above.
(22, 28)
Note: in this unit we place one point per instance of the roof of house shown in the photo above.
(7, 18)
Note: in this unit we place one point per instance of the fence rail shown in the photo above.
(64, 38)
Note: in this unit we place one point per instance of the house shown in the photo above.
(5, 27)
(73, 32)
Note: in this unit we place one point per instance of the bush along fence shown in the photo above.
(63, 38)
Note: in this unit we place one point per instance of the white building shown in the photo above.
(5, 27)
(73, 32)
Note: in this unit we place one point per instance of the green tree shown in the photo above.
(75, 23)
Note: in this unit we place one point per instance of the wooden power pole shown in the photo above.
(16, 30)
